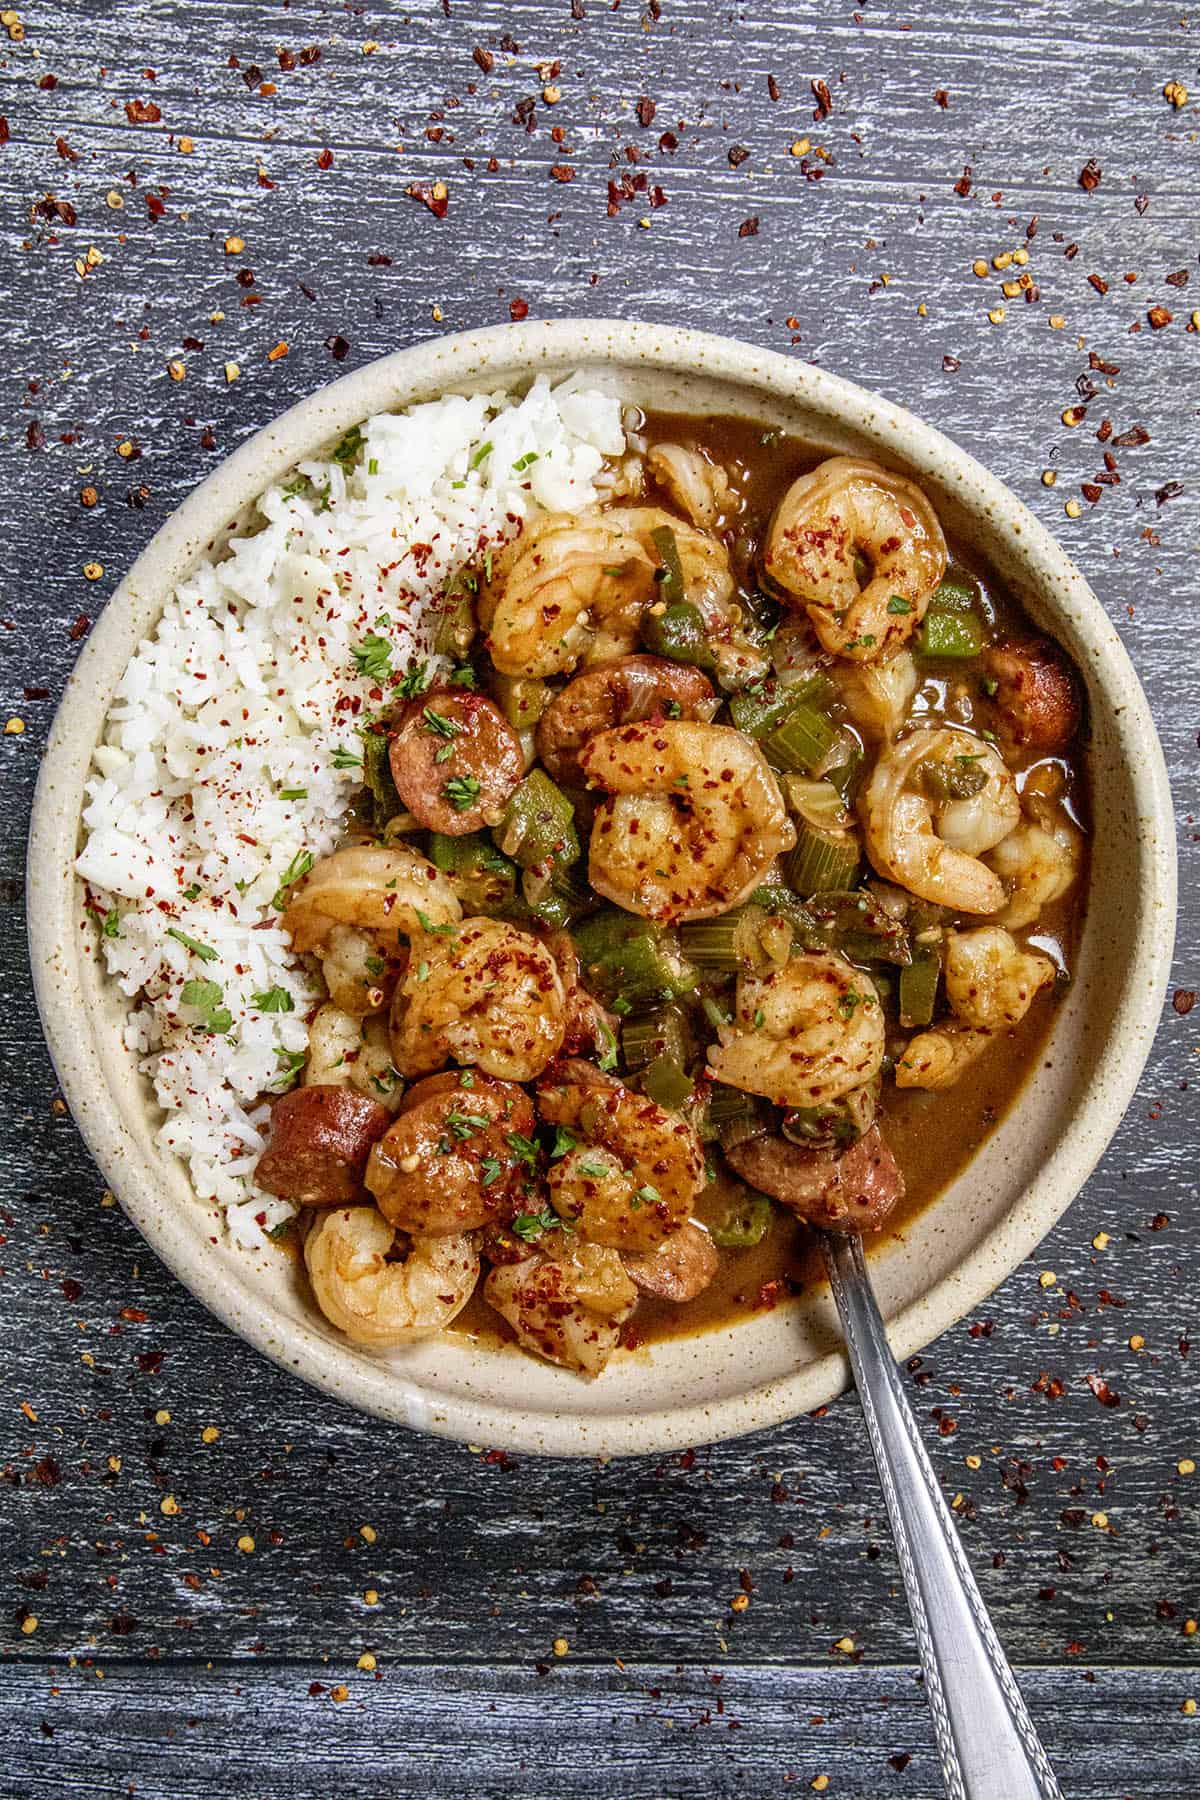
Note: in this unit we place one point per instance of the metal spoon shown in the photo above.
(987, 1743)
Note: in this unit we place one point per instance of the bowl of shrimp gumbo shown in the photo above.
(714, 874)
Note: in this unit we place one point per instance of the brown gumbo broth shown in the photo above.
(960, 684)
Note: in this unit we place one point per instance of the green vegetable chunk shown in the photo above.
(484, 879)
(801, 739)
(746, 1220)
(538, 824)
(949, 634)
(377, 774)
(677, 633)
(918, 989)
(823, 861)
(670, 575)
(454, 629)
(627, 962)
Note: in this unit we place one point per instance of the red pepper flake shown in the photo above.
(749, 227)
(962, 186)
(435, 197)
(150, 1361)
(518, 309)
(1099, 283)
(772, 88)
(951, 365)
(35, 437)
(309, 56)
(483, 58)
(287, 61)
(46, 1473)
(1090, 492)
(1090, 176)
(668, 142)
(325, 158)
(40, 693)
(1129, 440)
(1104, 1394)
(80, 628)
(823, 98)
(737, 155)
(155, 207)
(1159, 317)
(337, 346)
(1170, 490)
(143, 112)
(1183, 1000)
(1179, 279)
(68, 155)
(942, 98)
(562, 172)
(5, 134)
(1140, 203)
(646, 109)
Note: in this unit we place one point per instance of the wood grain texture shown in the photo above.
(478, 1566)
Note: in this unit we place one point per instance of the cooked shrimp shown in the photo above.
(384, 891)
(321, 1137)
(844, 509)
(693, 821)
(1037, 697)
(852, 1192)
(485, 993)
(617, 693)
(455, 761)
(938, 1057)
(376, 1300)
(682, 1266)
(878, 695)
(804, 1034)
(344, 1051)
(360, 981)
(447, 1163)
(1037, 865)
(570, 585)
(990, 981)
(636, 1168)
(566, 1304)
(926, 831)
(699, 487)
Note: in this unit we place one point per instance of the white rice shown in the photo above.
(216, 768)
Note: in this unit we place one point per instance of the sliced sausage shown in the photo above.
(320, 1140)
(447, 1164)
(680, 1268)
(617, 693)
(455, 761)
(852, 1192)
(1037, 696)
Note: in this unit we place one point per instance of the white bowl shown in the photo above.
(777, 1364)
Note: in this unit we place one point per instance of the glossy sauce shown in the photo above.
(934, 1135)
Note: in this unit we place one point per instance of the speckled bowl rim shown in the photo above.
(53, 911)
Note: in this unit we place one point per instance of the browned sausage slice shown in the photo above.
(1037, 697)
(447, 1163)
(680, 1268)
(617, 693)
(320, 1140)
(852, 1192)
(455, 761)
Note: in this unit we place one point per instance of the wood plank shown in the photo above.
(183, 1732)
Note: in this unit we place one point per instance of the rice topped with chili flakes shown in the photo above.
(233, 744)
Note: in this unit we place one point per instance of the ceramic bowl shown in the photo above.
(775, 1365)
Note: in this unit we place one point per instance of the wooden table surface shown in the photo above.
(218, 1583)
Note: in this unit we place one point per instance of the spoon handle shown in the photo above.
(987, 1743)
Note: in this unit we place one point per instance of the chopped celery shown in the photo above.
(745, 1221)
(670, 575)
(521, 699)
(857, 924)
(484, 880)
(956, 778)
(677, 633)
(657, 1034)
(823, 860)
(819, 802)
(667, 1083)
(949, 634)
(800, 739)
(763, 705)
(748, 938)
(538, 823)
(918, 989)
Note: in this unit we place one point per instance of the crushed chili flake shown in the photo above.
(823, 98)
(772, 88)
(1129, 440)
(518, 309)
(143, 112)
(737, 155)
(562, 172)
(749, 227)
(1183, 999)
(436, 196)
(1090, 176)
(1159, 316)
(483, 59)
(962, 186)
(1105, 1395)
(325, 158)
(942, 98)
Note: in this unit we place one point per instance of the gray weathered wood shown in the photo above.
(479, 1566)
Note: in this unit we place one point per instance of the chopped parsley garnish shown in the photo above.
(346, 759)
(861, 643)
(415, 681)
(465, 1125)
(482, 454)
(648, 1195)
(193, 944)
(373, 657)
(193, 892)
(299, 866)
(111, 927)
(990, 686)
(673, 710)
(563, 1141)
(491, 1169)
(589, 1166)
(422, 971)
(273, 1000)
(427, 924)
(375, 965)
(967, 762)
(760, 1019)
(347, 452)
(464, 677)
(462, 791)
(289, 1074)
(466, 1078)
(208, 1000)
(849, 1000)
(622, 1006)
(532, 1225)
(293, 793)
(439, 724)
(524, 1147)
(898, 605)
(607, 1059)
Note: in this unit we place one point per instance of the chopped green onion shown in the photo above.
(193, 944)
(293, 793)
(350, 448)
(481, 455)
(111, 928)
(746, 1220)
(299, 866)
